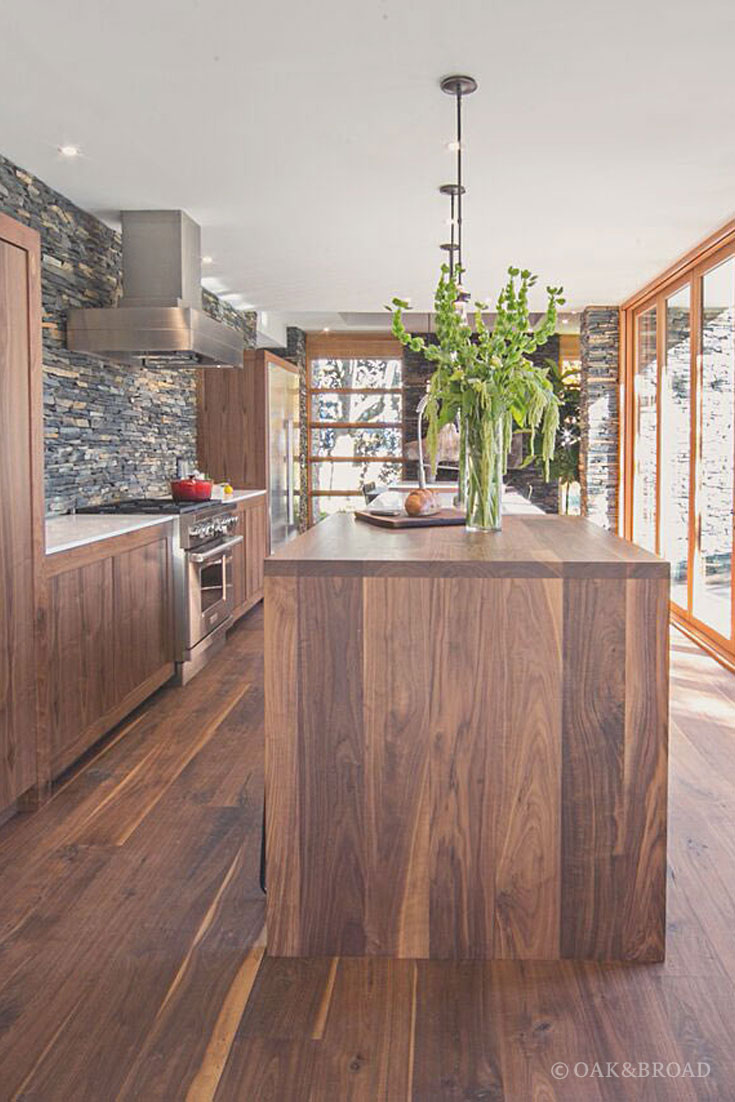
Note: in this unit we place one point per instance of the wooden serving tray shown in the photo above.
(449, 515)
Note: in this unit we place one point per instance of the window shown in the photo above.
(355, 430)
(679, 436)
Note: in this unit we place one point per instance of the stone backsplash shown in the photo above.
(110, 431)
(599, 414)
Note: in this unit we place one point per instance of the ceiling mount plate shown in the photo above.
(458, 85)
(452, 189)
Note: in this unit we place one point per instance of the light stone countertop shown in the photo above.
(242, 495)
(78, 529)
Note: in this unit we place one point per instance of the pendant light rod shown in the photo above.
(458, 86)
(459, 183)
(451, 246)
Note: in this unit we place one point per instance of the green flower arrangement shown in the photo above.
(485, 381)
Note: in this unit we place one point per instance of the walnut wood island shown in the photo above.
(466, 743)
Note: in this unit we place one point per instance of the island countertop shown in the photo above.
(542, 546)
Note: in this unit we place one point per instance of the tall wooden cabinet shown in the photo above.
(22, 765)
(248, 432)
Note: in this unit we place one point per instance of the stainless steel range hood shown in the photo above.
(159, 321)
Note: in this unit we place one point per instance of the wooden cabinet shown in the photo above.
(248, 556)
(248, 433)
(110, 635)
(22, 766)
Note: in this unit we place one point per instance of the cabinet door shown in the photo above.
(81, 662)
(142, 617)
(21, 539)
(256, 534)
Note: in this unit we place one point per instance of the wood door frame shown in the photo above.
(28, 240)
(688, 270)
(347, 345)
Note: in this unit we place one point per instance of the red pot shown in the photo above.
(191, 489)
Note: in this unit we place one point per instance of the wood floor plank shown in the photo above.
(288, 999)
(226, 947)
(366, 1051)
(115, 819)
(457, 1053)
(272, 1070)
(127, 958)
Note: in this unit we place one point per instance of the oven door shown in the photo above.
(209, 584)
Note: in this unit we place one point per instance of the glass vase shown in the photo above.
(484, 462)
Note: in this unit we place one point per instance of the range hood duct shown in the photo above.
(159, 321)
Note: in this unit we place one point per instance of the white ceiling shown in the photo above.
(309, 138)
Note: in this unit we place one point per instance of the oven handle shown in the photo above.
(214, 552)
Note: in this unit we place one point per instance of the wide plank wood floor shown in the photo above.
(132, 941)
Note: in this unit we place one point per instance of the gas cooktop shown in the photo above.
(148, 505)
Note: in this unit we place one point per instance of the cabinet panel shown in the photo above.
(143, 632)
(111, 639)
(80, 657)
(238, 562)
(20, 531)
(247, 558)
(256, 519)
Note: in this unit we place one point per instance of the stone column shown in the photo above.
(600, 414)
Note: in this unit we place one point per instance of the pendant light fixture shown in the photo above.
(459, 87)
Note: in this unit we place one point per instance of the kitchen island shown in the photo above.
(466, 743)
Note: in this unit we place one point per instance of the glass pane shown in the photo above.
(211, 581)
(352, 476)
(644, 490)
(356, 441)
(712, 582)
(325, 506)
(675, 443)
(356, 407)
(356, 373)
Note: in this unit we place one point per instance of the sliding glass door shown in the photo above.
(680, 439)
(646, 431)
(716, 451)
(676, 416)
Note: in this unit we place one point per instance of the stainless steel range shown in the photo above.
(203, 576)
(203, 545)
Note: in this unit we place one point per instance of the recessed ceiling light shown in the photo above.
(69, 150)
(325, 329)
(207, 260)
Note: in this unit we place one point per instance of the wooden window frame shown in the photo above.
(689, 271)
(346, 346)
